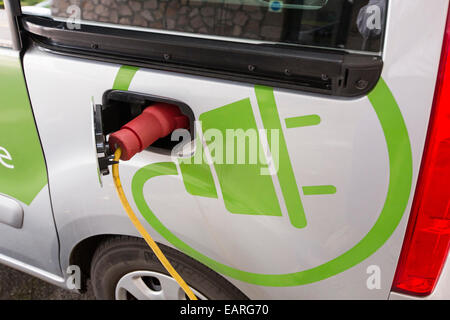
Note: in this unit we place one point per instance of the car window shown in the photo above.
(351, 25)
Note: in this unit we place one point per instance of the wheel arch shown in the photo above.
(83, 253)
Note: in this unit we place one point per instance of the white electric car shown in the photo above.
(316, 164)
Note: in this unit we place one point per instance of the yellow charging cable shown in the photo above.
(152, 244)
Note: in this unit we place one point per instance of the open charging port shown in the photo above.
(119, 108)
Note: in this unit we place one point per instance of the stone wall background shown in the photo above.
(231, 20)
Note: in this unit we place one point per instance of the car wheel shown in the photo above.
(125, 268)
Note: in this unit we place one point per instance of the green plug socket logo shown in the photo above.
(246, 191)
(245, 188)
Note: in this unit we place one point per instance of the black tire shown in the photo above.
(121, 255)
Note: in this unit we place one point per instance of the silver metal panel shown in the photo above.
(348, 150)
(12, 9)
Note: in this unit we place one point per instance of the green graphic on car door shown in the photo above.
(22, 168)
(242, 196)
(245, 190)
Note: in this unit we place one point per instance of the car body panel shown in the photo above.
(29, 222)
(347, 150)
(259, 247)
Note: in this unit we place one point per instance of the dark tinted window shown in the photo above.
(346, 24)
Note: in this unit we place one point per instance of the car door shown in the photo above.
(28, 235)
(327, 101)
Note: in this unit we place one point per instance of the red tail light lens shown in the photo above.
(428, 236)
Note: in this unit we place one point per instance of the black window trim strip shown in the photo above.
(324, 71)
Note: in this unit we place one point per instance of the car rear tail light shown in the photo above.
(427, 240)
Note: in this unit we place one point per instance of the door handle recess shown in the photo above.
(11, 212)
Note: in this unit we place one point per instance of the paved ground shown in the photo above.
(15, 285)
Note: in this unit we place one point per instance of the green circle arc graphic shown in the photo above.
(399, 189)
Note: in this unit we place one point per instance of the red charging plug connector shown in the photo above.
(156, 121)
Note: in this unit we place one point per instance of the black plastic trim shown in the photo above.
(314, 70)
